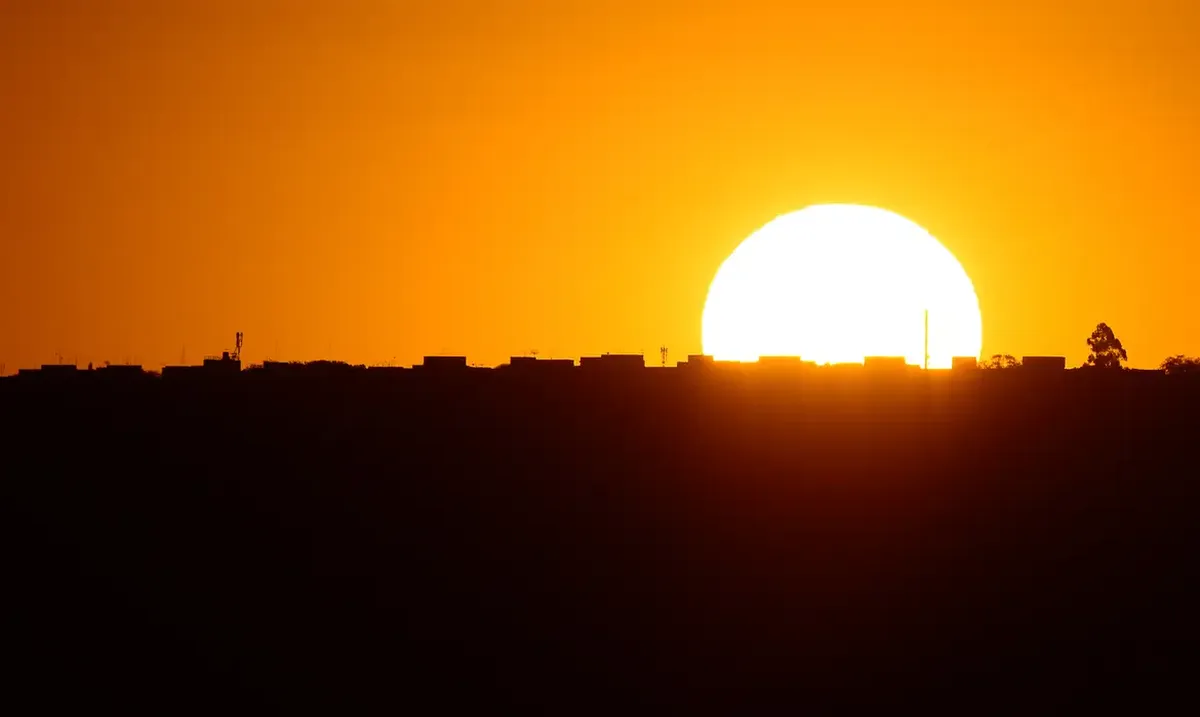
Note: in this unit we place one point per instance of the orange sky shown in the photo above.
(377, 180)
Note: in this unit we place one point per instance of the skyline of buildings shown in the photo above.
(609, 362)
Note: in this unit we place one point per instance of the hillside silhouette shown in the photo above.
(559, 539)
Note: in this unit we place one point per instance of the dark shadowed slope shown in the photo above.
(565, 544)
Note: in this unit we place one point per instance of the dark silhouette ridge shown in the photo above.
(550, 539)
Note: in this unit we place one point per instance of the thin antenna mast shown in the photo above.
(926, 339)
(663, 350)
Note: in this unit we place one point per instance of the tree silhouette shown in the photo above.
(1107, 351)
(1180, 364)
(1000, 361)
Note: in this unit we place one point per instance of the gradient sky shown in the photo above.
(372, 181)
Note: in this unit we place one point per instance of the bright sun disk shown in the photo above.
(833, 283)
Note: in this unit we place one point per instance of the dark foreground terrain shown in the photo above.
(663, 542)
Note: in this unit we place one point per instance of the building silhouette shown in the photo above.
(885, 363)
(613, 363)
(1044, 363)
(964, 363)
(443, 364)
(532, 365)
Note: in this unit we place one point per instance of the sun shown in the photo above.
(834, 283)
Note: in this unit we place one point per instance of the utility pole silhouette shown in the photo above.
(926, 339)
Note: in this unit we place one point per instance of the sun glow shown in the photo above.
(834, 283)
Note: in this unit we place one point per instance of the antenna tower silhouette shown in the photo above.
(663, 351)
(926, 339)
(237, 350)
